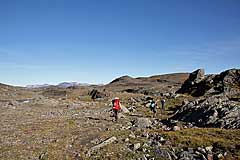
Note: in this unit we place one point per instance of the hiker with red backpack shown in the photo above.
(116, 106)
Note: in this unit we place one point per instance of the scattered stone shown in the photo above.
(185, 156)
(209, 149)
(163, 153)
(132, 136)
(95, 141)
(162, 139)
(225, 154)
(209, 157)
(145, 134)
(142, 123)
(120, 115)
(127, 140)
(190, 150)
(201, 150)
(132, 109)
(173, 155)
(107, 142)
(136, 146)
(185, 102)
(220, 156)
(77, 157)
(200, 155)
(144, 150)
(147, 156)
(176, 128)
(131, 99)
(146, 145)
(43, 156)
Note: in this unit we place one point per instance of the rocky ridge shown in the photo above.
(218, 104)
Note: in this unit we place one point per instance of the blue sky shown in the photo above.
(95, 41)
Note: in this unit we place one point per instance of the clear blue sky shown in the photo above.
(95, 41)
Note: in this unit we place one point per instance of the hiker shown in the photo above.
(163, 101)
(116, 107)
(153, 107)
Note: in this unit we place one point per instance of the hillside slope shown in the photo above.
(154, 85)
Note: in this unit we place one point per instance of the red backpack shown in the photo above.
(116, 104)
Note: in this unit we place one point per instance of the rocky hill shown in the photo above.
(8, 92)
(154, 85)
(175, 78)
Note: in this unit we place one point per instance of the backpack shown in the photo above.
(163, 101)
(152, 105)
(116, 104)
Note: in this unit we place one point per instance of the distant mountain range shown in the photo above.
(61, 85)
(38, 86)
(71, 84)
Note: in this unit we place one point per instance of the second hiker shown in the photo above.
(153, 107)
(163, 101)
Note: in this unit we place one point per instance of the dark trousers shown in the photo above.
(163, 107)
(115, 114)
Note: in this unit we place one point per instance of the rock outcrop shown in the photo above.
(219, 102)
(95, 94)
(227, 82)
(197, 76)
(215, 111)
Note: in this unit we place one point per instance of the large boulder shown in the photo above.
(230, 77)
(191, 83)
(95, 94)
(230, 81)
(124, 109)
(197, 76)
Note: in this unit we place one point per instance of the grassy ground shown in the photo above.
(31, 130)
(221, 139)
